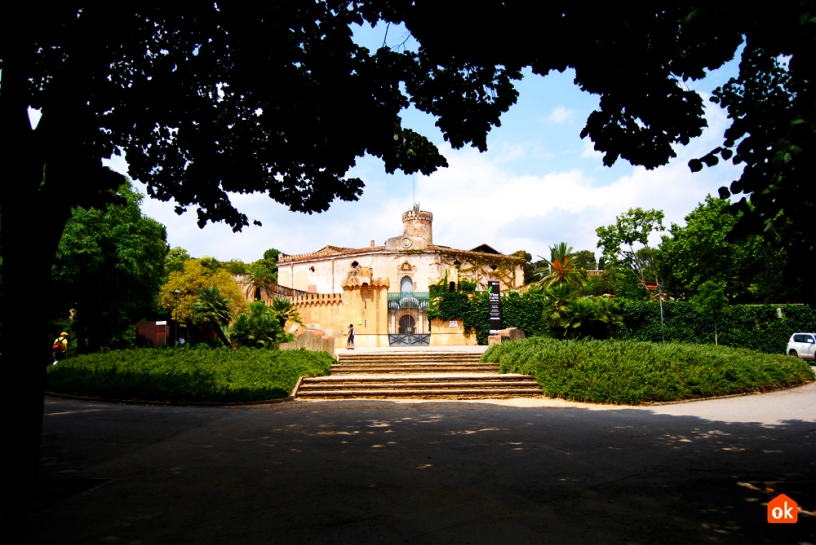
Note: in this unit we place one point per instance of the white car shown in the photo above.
(802, 345)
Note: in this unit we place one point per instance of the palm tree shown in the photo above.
(283, 310)
(258, 328)
(259, 280)
(212, 310)
(559, 268)
(556, 300)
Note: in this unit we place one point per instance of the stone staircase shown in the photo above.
(417, 374)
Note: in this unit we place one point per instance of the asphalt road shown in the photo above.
(539, 471)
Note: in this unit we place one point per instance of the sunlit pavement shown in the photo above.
(513, 471)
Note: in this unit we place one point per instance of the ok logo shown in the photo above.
(783, 510)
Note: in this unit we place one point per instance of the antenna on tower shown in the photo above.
(414, 187)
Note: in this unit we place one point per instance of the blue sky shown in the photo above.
(537, 185)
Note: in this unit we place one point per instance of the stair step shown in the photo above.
(418, 392)
(416, 374)
(411, 385)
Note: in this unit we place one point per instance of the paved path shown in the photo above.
(516, 471)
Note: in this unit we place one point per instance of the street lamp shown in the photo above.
(176, 295)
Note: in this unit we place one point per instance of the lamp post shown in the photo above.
(660, 296)
(176, 295)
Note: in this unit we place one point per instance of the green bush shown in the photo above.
(631, 373)
(187, 374)
(757, 327)
(258, 328)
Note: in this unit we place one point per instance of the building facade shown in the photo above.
(384, 290)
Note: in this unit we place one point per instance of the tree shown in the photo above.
(560, 268)
(212, 310)
(176, 257)
(258, 281)
(585, 260)
(590, 317)
(108, 268)
(748, 267)
(258, 328)
(216, 98)
(710, 302)
(269, 261)
(627, 242)
(190, 282)
(284, 312)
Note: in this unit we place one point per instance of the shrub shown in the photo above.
(258, 328)
(187, 374)
(757, 327)
(631, 373)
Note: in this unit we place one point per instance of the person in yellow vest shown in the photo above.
(60, 348)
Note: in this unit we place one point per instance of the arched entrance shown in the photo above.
(408, 317)
(407, 325)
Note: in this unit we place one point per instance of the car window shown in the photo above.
(799, 338)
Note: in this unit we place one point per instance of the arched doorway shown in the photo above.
(407, 325)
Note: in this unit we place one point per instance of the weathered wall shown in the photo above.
(450, 333)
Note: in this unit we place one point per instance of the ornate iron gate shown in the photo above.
(408, 319)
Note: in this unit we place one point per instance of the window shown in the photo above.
(406, 285)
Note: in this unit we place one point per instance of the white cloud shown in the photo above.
(478, 199)
(560, 115)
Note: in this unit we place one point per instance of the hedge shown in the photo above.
(631, 373)
(186, 374)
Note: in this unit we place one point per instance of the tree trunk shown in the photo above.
(27, 342)
(222, 336)
(32, 219)
(715, 333)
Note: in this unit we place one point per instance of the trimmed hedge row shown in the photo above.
(747, 326)
(757, 327)
(186, 375)
(631, 373)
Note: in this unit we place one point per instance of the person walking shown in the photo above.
(59, 350)
(350, 341)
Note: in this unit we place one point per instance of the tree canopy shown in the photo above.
(190, 281)
(748, 268)
(275, 97)
(108, 268)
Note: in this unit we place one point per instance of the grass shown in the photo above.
(187, 375)
(632, 373)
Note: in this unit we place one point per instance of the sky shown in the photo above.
(537, 185)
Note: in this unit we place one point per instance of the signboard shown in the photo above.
(494, 297)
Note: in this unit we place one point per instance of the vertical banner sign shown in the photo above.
(495, 306)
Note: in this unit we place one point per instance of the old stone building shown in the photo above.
(384, 290)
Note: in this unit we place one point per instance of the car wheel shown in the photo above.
(793, 353)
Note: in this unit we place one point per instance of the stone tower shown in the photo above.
(418, 224)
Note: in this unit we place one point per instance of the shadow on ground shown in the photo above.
(415, 472)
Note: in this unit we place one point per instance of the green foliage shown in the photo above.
(585, 260)
(236, 266)
(195, 276)
(757, 327)
(269, 262)
(709, 248)
(176, 257)
(181, 375)
(258, 328)
(773, 132)
(259, 281)
(711, 303)
(108, 268)
(631, 373)
(284, 312)
(211, 311)
(626, 244)
(560, 269)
